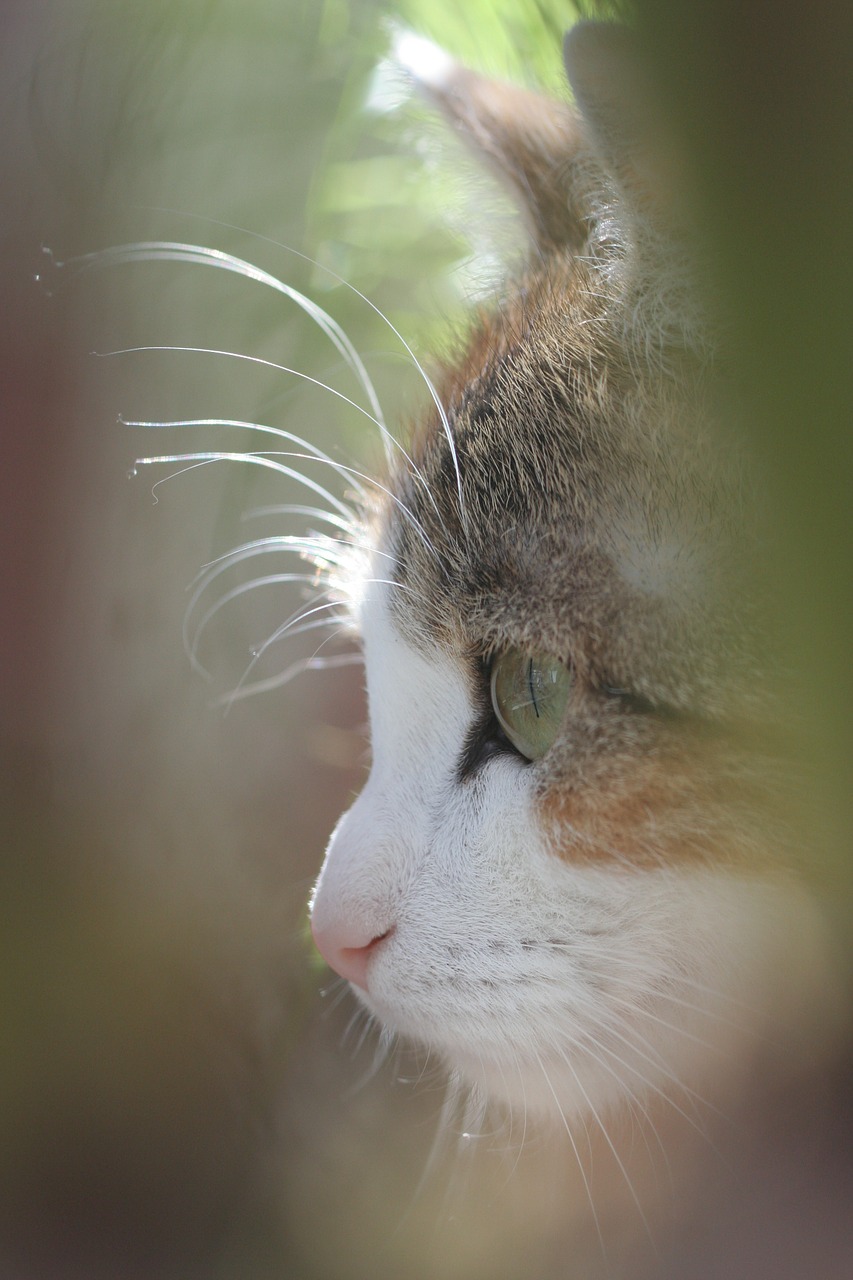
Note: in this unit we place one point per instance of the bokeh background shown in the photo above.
(178, 1092)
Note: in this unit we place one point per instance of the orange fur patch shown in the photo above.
(699, 802)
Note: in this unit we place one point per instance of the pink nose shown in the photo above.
(336, 946)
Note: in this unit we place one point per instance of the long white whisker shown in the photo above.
(259, 427)
(445, 422)
(200, 255)
(655, 1060)
(193, 466)
(647, 1015)
(296, 509)
(270, 460)
(587, 1037)
(631, 1188)
(295, 669)
(521, 1142)
(376, 310)
(449, 1107)
(300, 616)
(598, 951)
(341, 989)
(570, 1136)
(658, 993)
(210, 573)
(273, 579)
(190, 254)
(339, 620)
(634, 1100)
(319, 549)
(382, 1051)
(255, 459)
(239, 355)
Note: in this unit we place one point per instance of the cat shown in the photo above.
(571, 874)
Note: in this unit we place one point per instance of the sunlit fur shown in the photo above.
(620, 921)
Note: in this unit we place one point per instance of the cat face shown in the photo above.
(567, 871)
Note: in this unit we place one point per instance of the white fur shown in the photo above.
(549, 985)
(425, 61)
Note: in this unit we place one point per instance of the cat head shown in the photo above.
(568, 873)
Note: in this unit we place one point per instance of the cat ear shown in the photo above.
(625, 120)
(532, 142)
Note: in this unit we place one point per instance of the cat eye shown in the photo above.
(529, 696)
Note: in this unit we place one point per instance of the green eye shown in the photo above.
(529, 695)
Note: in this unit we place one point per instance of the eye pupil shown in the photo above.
(529, 696)
(533, 701)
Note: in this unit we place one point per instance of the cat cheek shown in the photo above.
(650, 813)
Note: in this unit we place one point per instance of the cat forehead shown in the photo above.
(568, 500)
(550, 444)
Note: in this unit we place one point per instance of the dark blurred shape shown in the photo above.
(760, 95)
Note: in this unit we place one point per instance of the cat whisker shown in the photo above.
(325, 552)
(192, 254)
(641, 1118)
(216, 258)
(296, 509)
(521, 1143)
(452, 1120)
(573, 1144)
(324, 541)
(597, 951)
(449, 1108)
(385, 1044)
(362, 1019)
(300, 616)
(319, 549)
(235, 355)
(587, 1037)
(259, 428)
(633, 1099)
(645, 1123)
(270, 460)
(193, 466)
(646, 1014)
(359, 1017)
(309, 548)
(256, 459)
(121, 254)
(304, 610)
(343, 626)
(201, 255)
(191, 647)
(607, 1138)
(340, 987)
(297, 668)
(687, 980)
(653, 1057)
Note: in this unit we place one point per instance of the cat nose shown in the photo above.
(344, 952)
